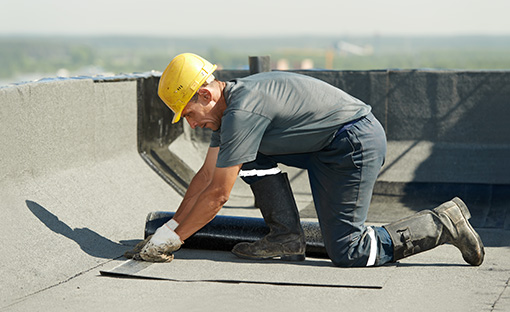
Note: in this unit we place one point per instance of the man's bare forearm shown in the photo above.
(209, 201)
(198, 184)
(206, 206)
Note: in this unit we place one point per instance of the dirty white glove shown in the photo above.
(135, 252)
(161, 245)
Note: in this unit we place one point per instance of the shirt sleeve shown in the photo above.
(215, 139)
(241, 134)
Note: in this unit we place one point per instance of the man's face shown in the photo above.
(200, 114)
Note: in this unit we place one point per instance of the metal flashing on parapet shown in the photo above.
(126, 77)
(95, 79)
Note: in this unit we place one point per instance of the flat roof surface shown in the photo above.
(197, 280)
(74, 195)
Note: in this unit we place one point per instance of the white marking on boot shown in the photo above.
(259, 173)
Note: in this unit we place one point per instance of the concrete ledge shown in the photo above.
(74, 190)
(426, 161)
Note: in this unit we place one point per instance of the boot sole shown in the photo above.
(467, 215)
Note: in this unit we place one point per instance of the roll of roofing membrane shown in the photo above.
(224, 232)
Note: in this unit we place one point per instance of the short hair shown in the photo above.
(209, 80)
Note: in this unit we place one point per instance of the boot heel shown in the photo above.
(293, 258)
(463, 208)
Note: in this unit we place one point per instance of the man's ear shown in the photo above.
(205, 93)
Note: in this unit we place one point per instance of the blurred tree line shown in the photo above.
(48, 56)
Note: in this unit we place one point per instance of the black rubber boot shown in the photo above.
(427, 229)
(286, 239)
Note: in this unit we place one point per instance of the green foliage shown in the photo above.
(20, 55)
(47, 55)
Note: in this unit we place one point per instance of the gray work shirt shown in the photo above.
(281, 113)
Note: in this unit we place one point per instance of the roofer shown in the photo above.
(278, 117)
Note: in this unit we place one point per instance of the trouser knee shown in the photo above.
(344, 253)
(372, 247)
(348, 261)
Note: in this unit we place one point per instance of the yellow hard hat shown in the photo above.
(185, 74)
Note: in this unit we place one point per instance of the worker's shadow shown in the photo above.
(89, 241)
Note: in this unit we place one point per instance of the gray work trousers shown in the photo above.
(342, 177)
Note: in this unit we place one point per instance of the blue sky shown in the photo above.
(257, 18)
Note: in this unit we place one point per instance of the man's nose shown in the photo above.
(192, 123)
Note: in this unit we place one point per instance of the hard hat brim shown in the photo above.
(176, 118)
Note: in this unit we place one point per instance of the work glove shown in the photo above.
(135, 252)
(161, 245)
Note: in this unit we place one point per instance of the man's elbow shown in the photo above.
(223, 198)
(219, 197)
